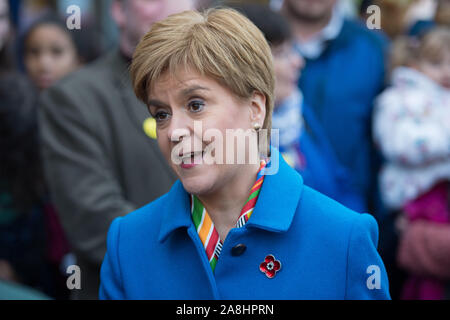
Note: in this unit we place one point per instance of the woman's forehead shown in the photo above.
(182, 82)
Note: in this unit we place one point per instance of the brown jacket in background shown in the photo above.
(99, 162)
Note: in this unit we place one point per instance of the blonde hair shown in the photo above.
(407, 51)
(219, 43)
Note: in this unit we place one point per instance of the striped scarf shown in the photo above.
(205, 227)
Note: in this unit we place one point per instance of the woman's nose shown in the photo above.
(179, 127)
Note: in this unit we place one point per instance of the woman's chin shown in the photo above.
(197, 185)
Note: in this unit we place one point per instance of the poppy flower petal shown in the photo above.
(277, 265)
(263, 267)
(271, 273)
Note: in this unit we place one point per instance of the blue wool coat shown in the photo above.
(326, 250)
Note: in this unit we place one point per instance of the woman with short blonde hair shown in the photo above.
(235, 230)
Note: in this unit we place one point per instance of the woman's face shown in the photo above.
(49, 55)
(180, 107)
(287, 64)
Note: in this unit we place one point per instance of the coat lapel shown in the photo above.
(278, 199)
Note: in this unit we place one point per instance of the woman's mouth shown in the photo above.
(191, 160)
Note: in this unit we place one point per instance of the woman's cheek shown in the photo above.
(164, 146)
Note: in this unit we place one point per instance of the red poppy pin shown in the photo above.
(270, 266)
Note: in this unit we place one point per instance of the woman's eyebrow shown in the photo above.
(183, 93)
(190, 90)
(156, 103)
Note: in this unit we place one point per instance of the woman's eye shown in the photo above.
(161, 116)
(196, 106)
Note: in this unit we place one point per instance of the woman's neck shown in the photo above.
(224, 205)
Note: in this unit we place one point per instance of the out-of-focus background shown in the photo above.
(362, 105)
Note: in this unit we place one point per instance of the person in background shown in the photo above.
(31, 250)
(303, 142)
(98, 144)
(51, 51)
(412, 129)
(343, 74)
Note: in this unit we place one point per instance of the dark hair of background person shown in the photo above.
(85, 40)
(23, 233)
(6, 59)
(20, 166)
(273, 25)
(364, 5)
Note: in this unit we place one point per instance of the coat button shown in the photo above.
(238, 250)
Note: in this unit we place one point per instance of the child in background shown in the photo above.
(412, 128)
(51, 51)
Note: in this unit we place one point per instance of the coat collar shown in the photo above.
(274, 211)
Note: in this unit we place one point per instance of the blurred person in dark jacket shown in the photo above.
(31, 249)
(344, 72)
(99, 151)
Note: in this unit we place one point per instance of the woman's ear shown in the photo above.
(258, 108)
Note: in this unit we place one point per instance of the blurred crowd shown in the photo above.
(363, 112)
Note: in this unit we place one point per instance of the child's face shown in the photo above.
(287, 65)
(49, 55)
(438, 71)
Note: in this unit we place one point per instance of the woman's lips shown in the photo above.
(192, 160)
(188, 166)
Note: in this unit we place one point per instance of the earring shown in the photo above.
(257, 127)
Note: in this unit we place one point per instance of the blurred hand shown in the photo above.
(401, 223)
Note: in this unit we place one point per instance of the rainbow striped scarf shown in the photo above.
(205, 227)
